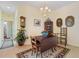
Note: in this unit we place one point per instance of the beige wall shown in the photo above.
(31, 13)
(73, 9)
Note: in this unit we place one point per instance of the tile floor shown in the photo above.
(11, 52)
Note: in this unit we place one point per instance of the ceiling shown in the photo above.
(10, 6)
(9, 9)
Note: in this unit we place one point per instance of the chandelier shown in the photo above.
(45, 10)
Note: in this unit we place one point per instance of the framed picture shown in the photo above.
(37, 22)
(22, 21)
(69, 21)
(59, 22)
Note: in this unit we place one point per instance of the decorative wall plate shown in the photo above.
(69, 21)
(59, 22)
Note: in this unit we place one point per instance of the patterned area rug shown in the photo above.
(58, 52)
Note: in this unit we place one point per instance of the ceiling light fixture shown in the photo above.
(8, 7)
(45, 10)
(41, 9)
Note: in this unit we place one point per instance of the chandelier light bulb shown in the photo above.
(45, 11)
(46, 8)
(49, 10)
(41, 9)
(8, 7)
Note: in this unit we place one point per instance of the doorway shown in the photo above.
(7, 33)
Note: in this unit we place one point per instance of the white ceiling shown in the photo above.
(10, 7)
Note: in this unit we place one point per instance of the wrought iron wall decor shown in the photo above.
(59, 22)
(69, 21)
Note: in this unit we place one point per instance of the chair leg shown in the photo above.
(65, 42)
(41, 55)
(55, 48)
(36, 53)
(32, 52)
(52, 49)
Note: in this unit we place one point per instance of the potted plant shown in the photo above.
(21, 37)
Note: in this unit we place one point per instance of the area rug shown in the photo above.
(59, 52)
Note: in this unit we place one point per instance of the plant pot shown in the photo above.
(21, 43)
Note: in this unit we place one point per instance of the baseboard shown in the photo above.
(73, 45)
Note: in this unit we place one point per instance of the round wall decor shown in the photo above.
(69, 21)
(59, 22)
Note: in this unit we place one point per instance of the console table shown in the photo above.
(43, 43)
